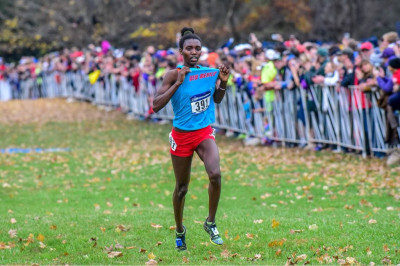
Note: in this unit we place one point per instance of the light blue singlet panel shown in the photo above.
(193, 102)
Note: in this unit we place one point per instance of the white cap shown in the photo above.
(271, 54)
(243, 46)
(203, 57)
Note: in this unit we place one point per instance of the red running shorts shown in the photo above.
(183, 144)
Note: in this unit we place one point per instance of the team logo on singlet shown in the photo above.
(200, 102)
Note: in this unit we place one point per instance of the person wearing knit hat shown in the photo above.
(323, 59)
(322, 52)
(393, 103)
(395, 63)
(394, 99)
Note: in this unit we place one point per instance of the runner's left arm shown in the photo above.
(223, 77)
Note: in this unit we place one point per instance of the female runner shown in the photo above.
(192, 91)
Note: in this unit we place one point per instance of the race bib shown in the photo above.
(172, 142)
(200, 102)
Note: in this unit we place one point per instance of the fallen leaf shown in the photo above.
(351, 260)
(185, 260)
(386, 260)
(103, 229)
(293, 231)
(386, 248)
(266, 195)
(369, 252)
(152, 262)
(131, 247)
(13, 221)
(300, 258)
(258, 221)
(109, 249)
(276, 243)
(275, 223)
(156, 226)
(122, 228)
(257, 256)
(142, 250)
(119, 246)
(225, 253)
(372, 221)
(313, 227)
(41, 245)
(249, 236)
(151, 256)
(278, 252)
(12, 233)
(40, 237)
(237, 237)
(114, 254)
(159, 243)
(317, 210)
(226, 234)
(364, 202)
(248, 245)
(53, 227)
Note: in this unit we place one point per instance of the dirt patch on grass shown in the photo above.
(41, 111)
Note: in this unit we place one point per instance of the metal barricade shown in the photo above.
(5, 91)
(344, 118)
(281, 115)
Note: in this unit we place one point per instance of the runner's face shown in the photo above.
(191, 52)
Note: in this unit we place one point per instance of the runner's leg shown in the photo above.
(182, 166)
(208, 153)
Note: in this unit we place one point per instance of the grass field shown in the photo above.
(109, 199)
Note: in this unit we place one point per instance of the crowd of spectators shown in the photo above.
(258, 68)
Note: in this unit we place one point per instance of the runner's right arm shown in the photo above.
(172, 80)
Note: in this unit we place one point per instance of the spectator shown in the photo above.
(366, 50)
(394, 67)
(268, 74)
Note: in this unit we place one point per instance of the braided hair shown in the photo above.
(187, 33)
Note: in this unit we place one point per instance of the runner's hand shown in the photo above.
(181, 74)
(223, 73)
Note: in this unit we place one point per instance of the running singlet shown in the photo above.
(193, 102)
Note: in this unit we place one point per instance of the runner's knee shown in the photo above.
(181, 191)
(215, 176)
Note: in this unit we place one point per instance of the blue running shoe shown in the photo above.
(211, 229)
(181, 240)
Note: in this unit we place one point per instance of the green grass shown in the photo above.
(119, 173)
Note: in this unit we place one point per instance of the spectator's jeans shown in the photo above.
(394, 101)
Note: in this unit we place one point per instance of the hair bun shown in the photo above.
(186, 31)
